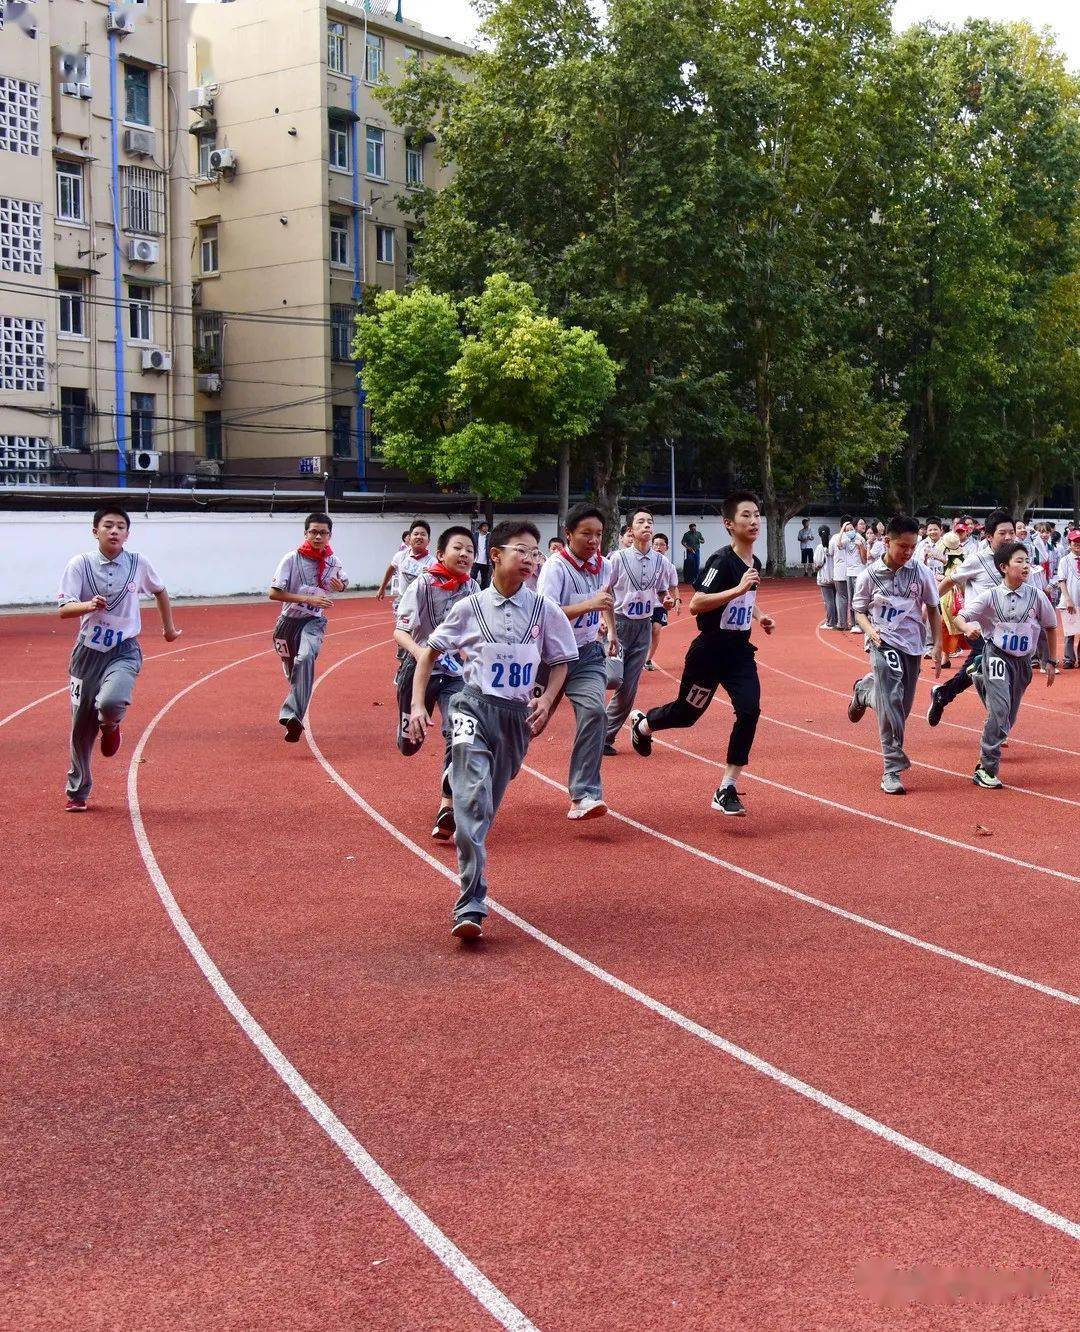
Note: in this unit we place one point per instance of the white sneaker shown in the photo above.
(588, 808)
(854, 629)
(824, 624)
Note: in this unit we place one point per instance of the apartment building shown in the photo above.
(95, 254)
(296, 174)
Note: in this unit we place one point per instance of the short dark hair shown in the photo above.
(503, 533)
(624, 529)
(114, 509)
(996, 519)
(554, 541)
(444, 537)
(1006, 551)
(933, 519)
(420, 522)
(579, 513)
(661, 536)
(483, 523)
(901, 525)
(845, 518)
(640, 509)
(318, 518)
(730, 506)
(824, 531)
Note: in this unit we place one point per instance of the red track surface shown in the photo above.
(583, 1156)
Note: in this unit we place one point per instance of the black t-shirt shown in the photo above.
(722, 571)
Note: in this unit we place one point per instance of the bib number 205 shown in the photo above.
(515, 675)
(738, 617)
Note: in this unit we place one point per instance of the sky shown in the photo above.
(455, 18)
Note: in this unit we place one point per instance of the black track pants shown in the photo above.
(714, 661)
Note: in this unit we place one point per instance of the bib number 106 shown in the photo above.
(516, 675)
(1015, 642)
(106, 637)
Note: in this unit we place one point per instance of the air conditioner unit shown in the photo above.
(223, 159)
(85, 92)
(120, 21)
(139, 142)
(70, 89)
(208, 383)
(156, 359)
(144, 460)
(143, 251)
(200, 99)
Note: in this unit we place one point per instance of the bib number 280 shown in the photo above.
(515, 675)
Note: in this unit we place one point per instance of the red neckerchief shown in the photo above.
(446, 579)
(318, 557)
(592, 566)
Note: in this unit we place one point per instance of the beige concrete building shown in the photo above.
(296, 171)
(95, 269)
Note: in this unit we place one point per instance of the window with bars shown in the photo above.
(140, 312)
(339, 239)
(74, 416)
(24, 460)
(20, 237)
(69, 192)
(20, 117)
(376, 152)
(342, 325)
(208, 345)
(375, 57)
(22, 355)
(342, 432)
(339, 144)
(136, 95)
(337, 51)
(384, 245)
(72, 306)
(414, 166)
(142, 200)
(142, 421)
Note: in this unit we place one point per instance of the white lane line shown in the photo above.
(422, 1226)
(920, 1150)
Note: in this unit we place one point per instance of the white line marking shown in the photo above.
(470, 1276)
(917, 1149)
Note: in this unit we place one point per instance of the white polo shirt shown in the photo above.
(121, 582)
(894, 600)
(978, 571)
(568, 585)
(639, 582)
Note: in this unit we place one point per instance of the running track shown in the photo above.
(702, 1073)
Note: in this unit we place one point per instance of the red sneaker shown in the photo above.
(75, 805)
(110, 741)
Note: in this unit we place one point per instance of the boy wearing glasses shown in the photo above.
(505, 633)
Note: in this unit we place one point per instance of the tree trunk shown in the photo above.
(775, 559)
(489, 512)
(609, 474)
(564, 485)
(1014, 496)
(1034, 491)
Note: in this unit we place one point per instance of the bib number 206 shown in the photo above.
(516, 675)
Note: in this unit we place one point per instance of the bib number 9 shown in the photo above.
(892, 660)
(516, 675)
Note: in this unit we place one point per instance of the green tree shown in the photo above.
(479, 391)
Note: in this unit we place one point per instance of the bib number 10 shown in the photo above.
(106, 637)
(739, 617)
(516, 675)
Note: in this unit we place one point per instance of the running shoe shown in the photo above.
(856, 708)
(892, 785)
(727, 801)
(587, 808)
(988, 780)
(641, 741)
(75, 805)
(649, 664)
(110, 741)
(445, 827)
(468, 928)
(854, 629)
(936, 708)
(294, 729)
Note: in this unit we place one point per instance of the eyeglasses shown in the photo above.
(526, 552)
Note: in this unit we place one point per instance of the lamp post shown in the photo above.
(671, 446)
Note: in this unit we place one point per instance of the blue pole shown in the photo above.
(358, 287)
(119, 388)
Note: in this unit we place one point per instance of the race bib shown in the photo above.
(587, 621)
(640, 608)
(462, 729)
(739, 614)
(887, 610)
(892, 660)
(508, 670)
(102, 635)
(1018, 640)
(698, 697)
(447, 663)
(281, 647)
(76, 691)
(1070, 623)
(995, 667)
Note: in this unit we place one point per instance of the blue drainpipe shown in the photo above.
(358, 287)
(118, 292)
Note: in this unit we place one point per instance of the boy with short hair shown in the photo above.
(891, 597)
(404, 568)
(1007, 618)
(725, 603)
(103, 589)
(660, 614)
(302, 581)
(506, 633)
(578, 578)
(1068, 577)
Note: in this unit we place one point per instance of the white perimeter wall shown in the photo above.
(221, 555)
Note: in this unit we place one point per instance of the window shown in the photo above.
(413, 53)
(72, 306)
(140, 313)
(142, 200)
(20, 237)
(414, 166)
(410, 255)
(384, 245)
(74, 413)
(69, 192)
(208, 248)
(136, 95)
(376, 152)
(342, 432)
(24, 460)
(20, 117)
(208, 345)
(213, 436)
(339, 239)
(376, 51)
(22, 354)
(339, 145)
(142, 421)
(337, 48)
(207, 142)
(342, 318)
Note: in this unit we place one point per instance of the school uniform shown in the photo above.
(1011, 622)
(894, 601)
(1068, 577)
(978, 573)
(928, 552)
(721, 656)
(407, 568)
(823, 569)
(807, 540)
(481, 564)
(638, 582)
(106, 658)
(568, 582)
(504, 641)
(300, 629)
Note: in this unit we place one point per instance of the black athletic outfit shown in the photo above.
(718, 657)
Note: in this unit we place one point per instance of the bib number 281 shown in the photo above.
(106, 637)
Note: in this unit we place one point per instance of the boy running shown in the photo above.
(1068, 577)
(577, 578)
(1007, 619)
(660, 615)
(890, 598)
(506, 633)
(405, 567)
(725, 603)
(302, 581)
(642, 579)
(426, 603)
(103, 588)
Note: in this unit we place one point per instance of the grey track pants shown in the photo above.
(101, 687)
(441, 692)
(843, 603)
(828, 596)
(889, 689)
(635, 638)
(298, 643)
(585, 688)
(489, 740)
(1001, 683)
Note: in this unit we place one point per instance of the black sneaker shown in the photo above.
(649, 664)
(936, 708)
(609, 750)
(642, 743)
(445, 827)
(856, 708)
(468, 928)
(293, 730)
(727, 801)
